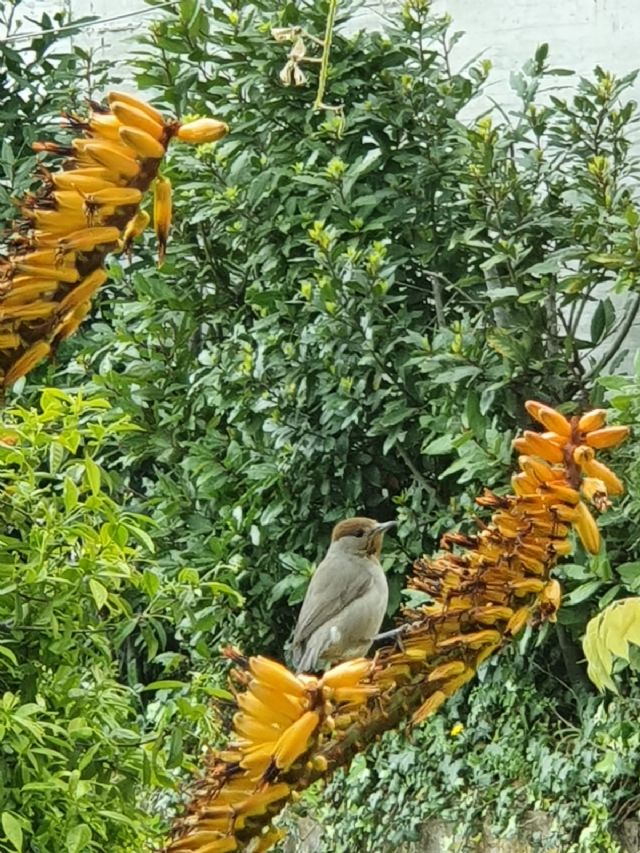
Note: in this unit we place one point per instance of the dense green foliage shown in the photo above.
(354, 306)
(70, 564)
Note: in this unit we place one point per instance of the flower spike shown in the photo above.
(89, 208)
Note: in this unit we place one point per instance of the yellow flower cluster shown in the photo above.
(82, 212)
(280, 716)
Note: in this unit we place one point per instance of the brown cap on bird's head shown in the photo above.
(366, 529)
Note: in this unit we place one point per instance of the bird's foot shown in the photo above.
(395, 634)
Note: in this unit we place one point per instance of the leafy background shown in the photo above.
(355, 304)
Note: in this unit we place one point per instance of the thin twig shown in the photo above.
(408, 461)
(324, 66)
(437, 281)
(551, 308)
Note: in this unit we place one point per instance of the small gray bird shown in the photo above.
(346, 599)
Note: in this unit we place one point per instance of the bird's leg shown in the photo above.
(395, 634)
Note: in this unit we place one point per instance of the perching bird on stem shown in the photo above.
(347, 598)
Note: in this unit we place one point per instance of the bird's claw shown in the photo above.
(395, 634)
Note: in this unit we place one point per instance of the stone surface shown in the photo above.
(440, 837)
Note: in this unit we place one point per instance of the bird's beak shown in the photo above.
(381, 528)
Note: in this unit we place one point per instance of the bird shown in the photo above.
(346, 600)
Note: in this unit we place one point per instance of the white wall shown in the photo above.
(581, 33)
(111, 37)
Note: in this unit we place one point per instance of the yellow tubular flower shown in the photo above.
(429, 707)
(252, 730)
(83, 180)
(347, 674)
(536, 444)
(116, 196)
(142, 142)
(130, 116)
(82, 291)
(294, 741)
(202, 130)
(26, 291)
(593, 468)
(592, 420)
(135, 227)
(86, 239)
(587, 529)
(118, 162)
(27, 361)
(137, 103)
(162, 215)
(276, 676)
(105, 126)
(607, 437)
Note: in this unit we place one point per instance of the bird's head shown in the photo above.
(360, 536)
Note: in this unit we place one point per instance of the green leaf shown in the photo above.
(99, 593)
(630, 574)
(7, 653)
(92, 472)
(475, 418)
(612, 261)
(142, 536)
(166, 684)
(499, 293)
(550, 265)
(542, 52)
(219, 588)
(439, 446)
(532, 296)
(504, 342)
(603, 318)
(456, 374)
(150, 583)
(54, 398)
(174, 757)
(56, 455)
(78, 838)
(69, 494)
(582, 593)
(12, 829)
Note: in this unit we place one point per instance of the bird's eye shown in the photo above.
(359, 532)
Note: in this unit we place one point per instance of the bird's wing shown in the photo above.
(313, 616)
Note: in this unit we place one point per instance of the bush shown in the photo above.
(71, 563)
